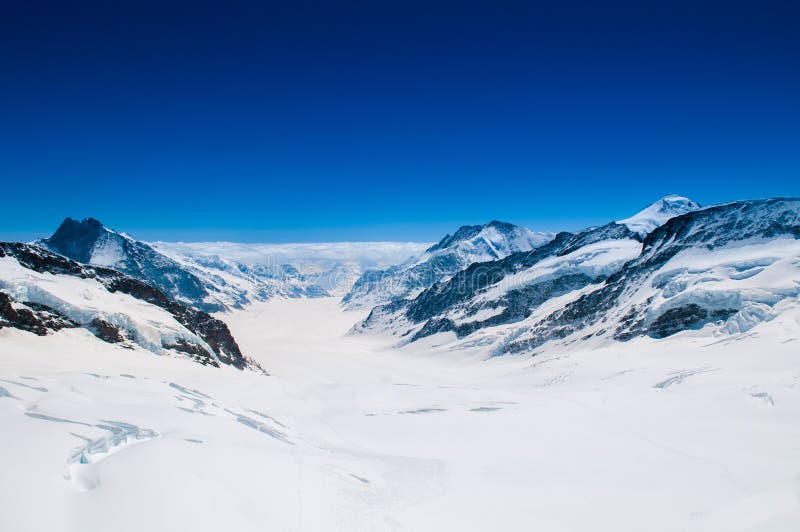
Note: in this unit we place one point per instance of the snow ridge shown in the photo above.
(654, 215)
(729, 267)
(468, 245)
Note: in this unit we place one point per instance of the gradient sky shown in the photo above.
(298, 121)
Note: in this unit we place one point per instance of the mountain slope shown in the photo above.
(220, 276)
(90, 242)
(468, 245)
(733, 263)
(508, 290)
(659, 212)
(42, 292)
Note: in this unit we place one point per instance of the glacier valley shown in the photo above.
(638, 375)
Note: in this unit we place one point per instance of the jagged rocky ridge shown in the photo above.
(733, 264)
(205, 339)
(657, 297)
(210, 276)
(468, 245)
(572, 261)
(90, 242)
(31, 317)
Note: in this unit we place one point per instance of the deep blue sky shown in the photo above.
(388, 120)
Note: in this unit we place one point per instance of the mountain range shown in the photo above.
(43, 292)
(90, 242)
(673, 267)
(469, 244)
(722, 269)
(220, 276)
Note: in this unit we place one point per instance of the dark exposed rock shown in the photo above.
(194, 351)
(106, 331)
(40, 260)
(679, 319)
(430, 306)
(31, 317)
(213, 331)
(79, 241)
(210, 329)
(518, 304)
(466, 284)
(469, 244)
(622, 307)
(75, 239)
(708, 228)
(465, 232)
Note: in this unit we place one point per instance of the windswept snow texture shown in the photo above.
(470, 244)
(659, 212)
(728, 267)
(654, 386)
(680, 433)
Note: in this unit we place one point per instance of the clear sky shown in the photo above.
(299, 121)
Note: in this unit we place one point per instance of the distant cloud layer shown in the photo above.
(365, 254)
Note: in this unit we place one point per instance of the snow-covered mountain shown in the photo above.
(219, 276)
(262, 271)
(43, 292)
(90, 242)
(507, 290)
(659, 353)
(729, 266)
(732, 265)
(659, 212)
(468, 245)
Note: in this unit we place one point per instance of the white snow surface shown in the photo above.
(596, 259)
(107, 250)
(488, 244)
(692, 432)
(601, 258)
(404, 282)
(83, 300)
(760, 277)
(659, 212)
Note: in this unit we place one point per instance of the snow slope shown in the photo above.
(492, 293)
(725, 267)
(716, 269)
(650, 382)
(654, 215)
(42, 292)
(468, 245)
(683, 433)
(90, 242)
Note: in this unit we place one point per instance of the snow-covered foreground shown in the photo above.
(685, 433)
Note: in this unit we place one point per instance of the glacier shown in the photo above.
(643, 371)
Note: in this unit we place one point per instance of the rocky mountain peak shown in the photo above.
(76, 239)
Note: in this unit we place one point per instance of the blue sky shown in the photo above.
(258, 121)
